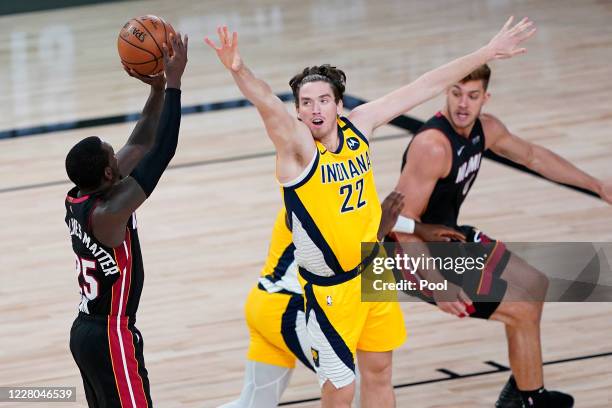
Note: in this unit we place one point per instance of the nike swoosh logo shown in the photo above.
(460, 150)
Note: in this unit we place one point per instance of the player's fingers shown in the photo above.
(186, 43)
(508, 23)
(527, 34)
(454, 235)
(226, 38)
(211, 44)
(518, 26)
(465, 298)
(517, 52)
(165, 53)
(524, 28)
(220, 34)
(234, 39)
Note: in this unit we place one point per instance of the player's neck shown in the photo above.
(461, 131)
(331, 140)
(103, 187)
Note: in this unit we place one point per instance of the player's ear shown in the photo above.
(340, 108)
(487, 95)
(108, 173)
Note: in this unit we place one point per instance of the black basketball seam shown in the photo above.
(152, 37)
(140, 48)
(141, 63)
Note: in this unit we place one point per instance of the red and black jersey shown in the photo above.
(110, 279)
(449, 192)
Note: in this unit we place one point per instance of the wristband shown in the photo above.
(405, 225)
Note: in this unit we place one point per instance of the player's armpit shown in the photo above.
(110, 215)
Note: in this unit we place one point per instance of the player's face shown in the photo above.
(464, 102)
(111, 172)
(317, 108)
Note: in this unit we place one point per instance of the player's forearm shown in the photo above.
(556, 168)
(257, 91)
(151, 167)
(144, 131)
(437, 80)
(428, 86)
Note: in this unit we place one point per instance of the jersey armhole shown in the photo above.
(305, 175)
(89, 220)
(349, 124)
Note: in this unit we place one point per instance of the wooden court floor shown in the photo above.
(205, 230)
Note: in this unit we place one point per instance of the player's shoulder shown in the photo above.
(430, 144)
(491, 124)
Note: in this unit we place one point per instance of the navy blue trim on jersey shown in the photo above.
(280, 269)
(308, 176)
(296, 303)
(350, 125)
(339, 278)
(283, 291)
(341, 136)
(295, 206)
(330, 333)
(328, 280)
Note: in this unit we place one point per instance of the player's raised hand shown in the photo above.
(175, 59)
(157, 81)
(506, 42)
(228, 49)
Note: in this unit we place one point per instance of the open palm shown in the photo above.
(228, 49)
(506, 41)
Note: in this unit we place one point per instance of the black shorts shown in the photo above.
(484, 286)
(109, 353)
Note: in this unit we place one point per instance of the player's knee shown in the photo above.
(333, 397)
(377, 374)
(525, 313)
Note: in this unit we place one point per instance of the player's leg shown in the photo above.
(335, 318)
(376, 388)
(76, 348)
(383, 332)
(110, 354)
(269, 361)
(263, 386)
(521, 312)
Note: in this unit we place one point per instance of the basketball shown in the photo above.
(140, 43)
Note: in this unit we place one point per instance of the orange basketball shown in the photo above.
(140, 44)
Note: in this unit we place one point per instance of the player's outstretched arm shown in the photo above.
(539, 159)
(143, 136)
(285, 131)
(505, 44)
(110, 216)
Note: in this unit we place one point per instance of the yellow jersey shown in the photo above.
(333, 206)
(279, 273)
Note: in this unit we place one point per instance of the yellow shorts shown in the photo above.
(277, 328)
(339, 324)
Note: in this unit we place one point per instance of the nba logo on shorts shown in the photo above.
(352, 143)
(329, 300)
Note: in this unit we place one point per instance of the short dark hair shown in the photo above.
(482, 73)
(85, 163)
(326, 73)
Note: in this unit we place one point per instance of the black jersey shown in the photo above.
(110, 279)
(449, 192)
